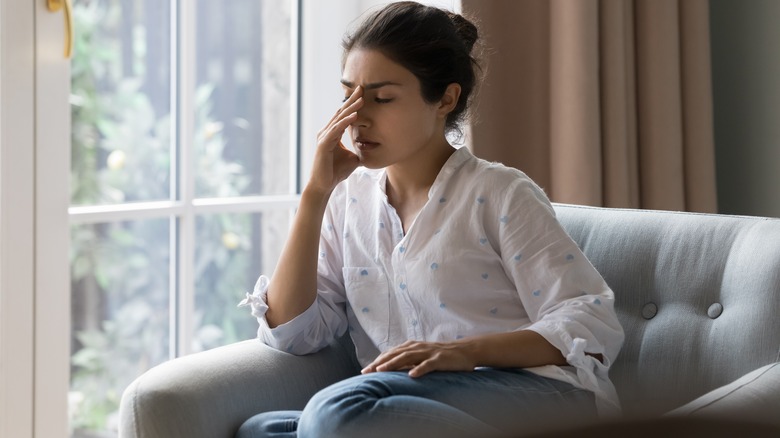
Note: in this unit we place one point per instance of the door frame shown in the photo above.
(34, 231)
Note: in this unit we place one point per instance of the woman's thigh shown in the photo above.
(510, 400)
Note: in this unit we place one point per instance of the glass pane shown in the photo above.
(120, 315)
(232, 251)
(242, 100)
(120, 88)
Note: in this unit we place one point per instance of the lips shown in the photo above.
(364, 143)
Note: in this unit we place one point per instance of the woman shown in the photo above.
(471, 310)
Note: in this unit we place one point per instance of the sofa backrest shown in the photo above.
(698, 296)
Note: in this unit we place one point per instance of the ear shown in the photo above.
(449, 100)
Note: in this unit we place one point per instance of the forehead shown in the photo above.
(363, 67)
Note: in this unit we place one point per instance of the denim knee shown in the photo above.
(339, 409)
(278, 424)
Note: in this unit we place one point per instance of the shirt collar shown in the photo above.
(456, 160)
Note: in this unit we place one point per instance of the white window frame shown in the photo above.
(183, 208)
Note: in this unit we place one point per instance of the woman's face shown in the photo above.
(394, 123)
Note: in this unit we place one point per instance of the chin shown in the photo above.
(368, 163)
(372, 166)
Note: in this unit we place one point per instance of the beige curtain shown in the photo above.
(601, 102)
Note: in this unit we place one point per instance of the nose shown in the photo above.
(362, 120)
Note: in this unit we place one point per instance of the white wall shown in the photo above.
(746, 86)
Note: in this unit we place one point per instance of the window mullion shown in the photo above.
(184, 294)
(296, 184)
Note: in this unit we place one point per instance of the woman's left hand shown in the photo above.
(421, 358)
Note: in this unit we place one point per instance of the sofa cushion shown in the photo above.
(753, 397)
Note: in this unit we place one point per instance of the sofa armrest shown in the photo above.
(753, 397)
(210, 394)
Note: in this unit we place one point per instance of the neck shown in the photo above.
(416, 176)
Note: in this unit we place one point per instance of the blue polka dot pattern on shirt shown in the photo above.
(365, 310)
(364, 272)
(402, 286)
(446, 279)
(481, 200)
(485, 275)
(569, 257)
(402, 249)
(353, 200)
(536, 293)
(597, 301)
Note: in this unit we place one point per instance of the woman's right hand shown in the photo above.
(333, 162)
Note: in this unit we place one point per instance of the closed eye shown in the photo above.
(378, 100)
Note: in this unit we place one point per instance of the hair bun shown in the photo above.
(466, 30)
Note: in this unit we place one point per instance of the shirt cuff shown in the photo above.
(591, 373)
(286, 337)
(258, 299)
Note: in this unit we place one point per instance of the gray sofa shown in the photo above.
(698, 296)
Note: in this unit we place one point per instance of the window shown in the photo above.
(185, 172)
(184, 177)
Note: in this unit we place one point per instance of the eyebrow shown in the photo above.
(371, 86)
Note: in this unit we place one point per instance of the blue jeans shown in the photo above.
(482, 403)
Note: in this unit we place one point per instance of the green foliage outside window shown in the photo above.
(121, 153)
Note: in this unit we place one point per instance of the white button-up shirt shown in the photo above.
(484, 255)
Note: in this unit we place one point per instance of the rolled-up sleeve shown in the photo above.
(567, 300)
(325, 319)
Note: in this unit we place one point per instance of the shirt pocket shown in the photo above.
(368, 296)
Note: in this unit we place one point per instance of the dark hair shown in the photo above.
(434, 44)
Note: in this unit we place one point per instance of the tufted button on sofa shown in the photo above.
(698, 296)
